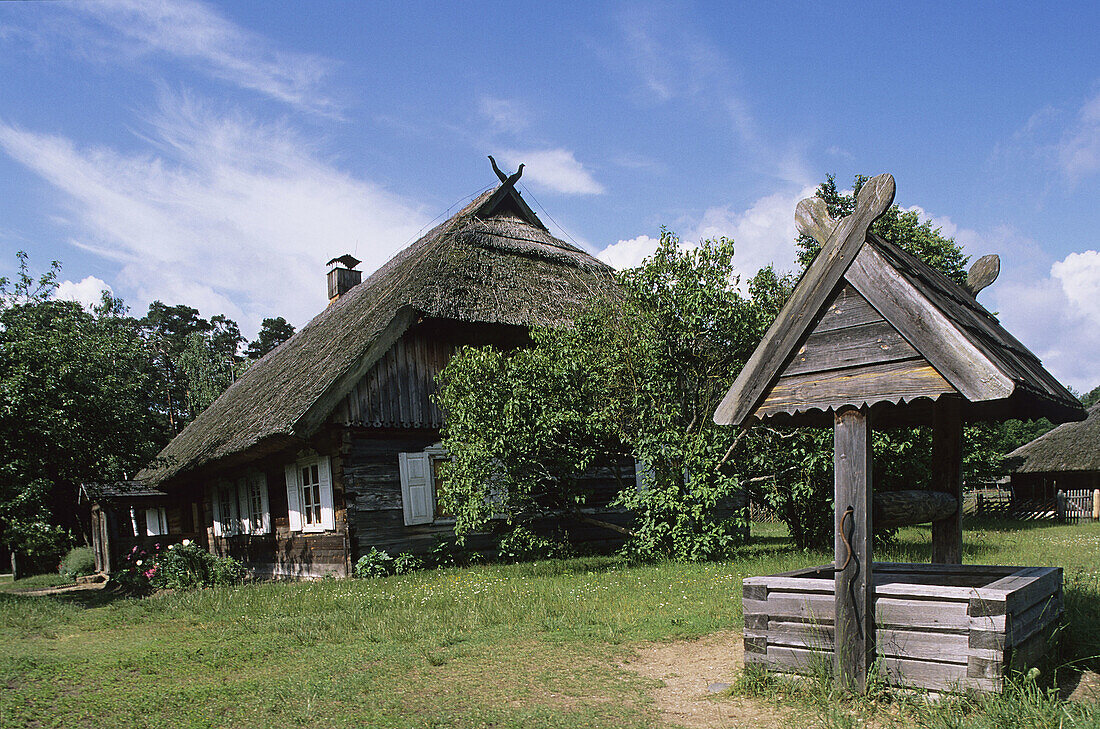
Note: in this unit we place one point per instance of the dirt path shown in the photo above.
(687, 668)
(79, 587)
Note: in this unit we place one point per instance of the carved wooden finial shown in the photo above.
(506, 180)
(812, 219)
(984, 272)
(875, 197)
(503, 177)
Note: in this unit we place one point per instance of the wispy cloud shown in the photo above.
(229, 215)
(1079, 149)
(197, 34)
(554, 169)
(504, 115)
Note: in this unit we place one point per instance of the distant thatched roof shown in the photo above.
(1069, 447)
(493, 262)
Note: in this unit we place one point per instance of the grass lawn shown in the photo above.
(505, 646)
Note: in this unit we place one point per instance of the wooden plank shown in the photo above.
(818, 283)
(1033, 620)
(846, 309)
(940, 341)
(946, 647)
(855, 618)
(857, 387)
(947, 461)
(934, 676)
(850, 347)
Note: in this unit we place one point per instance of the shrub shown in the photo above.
(78, 562)
(521, 544)
(375, 563)
(184, 566)
(405, 563)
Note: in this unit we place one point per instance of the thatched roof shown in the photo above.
(493, 262)
(1069, 447)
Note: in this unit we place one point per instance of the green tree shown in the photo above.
(273, 332)
(74, 406)
(638, 377)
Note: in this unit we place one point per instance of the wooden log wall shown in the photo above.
(939, 627)
(372, 487)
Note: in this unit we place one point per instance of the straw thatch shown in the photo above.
(1069, 447)
(493, 262)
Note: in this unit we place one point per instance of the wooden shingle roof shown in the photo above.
(870, 325)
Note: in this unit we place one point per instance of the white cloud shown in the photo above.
(87, 291)
(628, 253)
(1079, 274)
(231, 217)
(198, 34)
(763, 234)
(503, 115)
(554, 169)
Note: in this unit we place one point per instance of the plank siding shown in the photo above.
(965, 634)
(397, 391)
(372, 488)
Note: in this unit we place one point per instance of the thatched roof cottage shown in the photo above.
(329, 444)
(1064, 459)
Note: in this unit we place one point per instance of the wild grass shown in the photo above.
(535, 644)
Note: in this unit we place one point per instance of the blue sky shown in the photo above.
(218, 154)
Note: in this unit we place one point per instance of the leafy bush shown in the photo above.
(184, 566)
(521, 545)
(379, 563)
(78, 562)
(405, 563)
(375, 563)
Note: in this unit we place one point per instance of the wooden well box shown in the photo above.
(940, 627)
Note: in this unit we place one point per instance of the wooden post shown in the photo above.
(947, 477)
(855, 619)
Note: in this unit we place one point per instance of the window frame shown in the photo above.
(295, 486)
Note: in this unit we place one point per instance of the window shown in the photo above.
(309, 494)
(224, 501)
(252, 496)
(156, 521)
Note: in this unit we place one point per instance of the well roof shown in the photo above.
(1069, 447)
(492, 262)
(996, 376)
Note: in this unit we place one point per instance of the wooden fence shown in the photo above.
(1073, 505)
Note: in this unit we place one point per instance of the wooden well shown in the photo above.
(939, 627)
(873, 336)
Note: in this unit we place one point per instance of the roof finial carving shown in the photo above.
(506, 180)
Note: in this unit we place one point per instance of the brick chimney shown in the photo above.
(342, 277)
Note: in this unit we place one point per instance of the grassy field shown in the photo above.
(526, 645)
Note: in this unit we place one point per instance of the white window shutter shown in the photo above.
(416, 488)
(324, 472)
(259, 481)
(293, 488)
(244, 510)
(216, 503)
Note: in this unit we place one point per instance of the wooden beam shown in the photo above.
(855, 619)
(947, 477)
